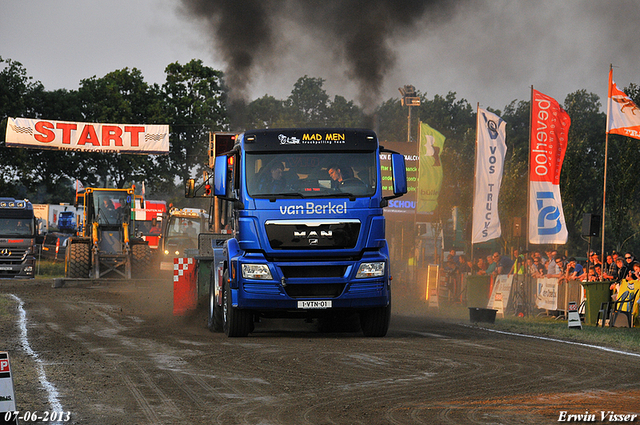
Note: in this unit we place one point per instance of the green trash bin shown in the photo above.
(204, 275)
(478, 290)
(596, 294)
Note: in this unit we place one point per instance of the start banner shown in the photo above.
(88, 137)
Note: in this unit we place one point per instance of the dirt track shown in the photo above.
(115, 354)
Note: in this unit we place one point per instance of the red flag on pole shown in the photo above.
(623, 116)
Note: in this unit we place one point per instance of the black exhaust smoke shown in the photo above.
(359, 33)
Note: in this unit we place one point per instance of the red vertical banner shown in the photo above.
(549, 129)
(185, 286)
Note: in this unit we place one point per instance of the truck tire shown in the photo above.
(375, 321)
(236, 322)
(77, 260)
(140, 260)
(215, 321)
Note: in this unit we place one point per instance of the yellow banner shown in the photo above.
(430, 177)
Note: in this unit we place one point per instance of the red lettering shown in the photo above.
(89, 136)
(66, 131)
(47, 133)
(135, 132)
(111, 133)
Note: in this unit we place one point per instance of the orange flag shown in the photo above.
(623, 116)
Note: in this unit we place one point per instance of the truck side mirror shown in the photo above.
(223, 177)
(399, 174)
(190, 189)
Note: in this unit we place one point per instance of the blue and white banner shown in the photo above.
(490, 152)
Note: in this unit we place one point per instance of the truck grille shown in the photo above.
(13, 256)
(313, 234)
(314, 290)
(313, 271)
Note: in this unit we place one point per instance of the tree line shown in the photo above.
(193, 101)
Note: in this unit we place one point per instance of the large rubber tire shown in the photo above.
(236, 322)
(77, 260)
(140, 260)
(215, 320)
(375, 321)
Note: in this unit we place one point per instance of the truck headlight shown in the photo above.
(256, 271)
(370, 270)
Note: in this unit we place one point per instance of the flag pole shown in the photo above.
(526, 235)
(606, 156)
(475, 162)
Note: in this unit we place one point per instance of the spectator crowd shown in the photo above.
(550, 264)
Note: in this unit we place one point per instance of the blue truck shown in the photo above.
(17, 238)
(67, 221)
(300, 212)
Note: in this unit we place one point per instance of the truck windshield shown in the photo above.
(183, 227)
(22, 227)
(311, 174)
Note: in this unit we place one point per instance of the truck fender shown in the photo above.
(231, 250)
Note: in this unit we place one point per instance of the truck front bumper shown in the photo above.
(295, 284)
(19, 271)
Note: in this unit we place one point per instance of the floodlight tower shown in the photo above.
(409, 99)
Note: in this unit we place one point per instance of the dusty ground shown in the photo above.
(114, 354)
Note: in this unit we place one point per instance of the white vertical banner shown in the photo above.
(490, 152)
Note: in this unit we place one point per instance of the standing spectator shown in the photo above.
(503, 263)
(550, 257)
(558, 262)
(463, 266)
(594, 259)
(609, 271)
(552, 266)
(519, 266)
(452, 256)
(629, 259)
(532, 269)
(623, 270)
(635, 273)
(480, 267)
(621, 274)
(615, 257)
(574, 270)
(596, 275)
(491, 265)
(541, 271)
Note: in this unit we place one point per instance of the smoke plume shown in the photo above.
(359, 34)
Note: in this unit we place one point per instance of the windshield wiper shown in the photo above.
(351, 196)
(273, 196)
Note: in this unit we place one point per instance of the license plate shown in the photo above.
(314, 304)
(6, 268)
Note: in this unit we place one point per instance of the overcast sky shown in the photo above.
(489, 52)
